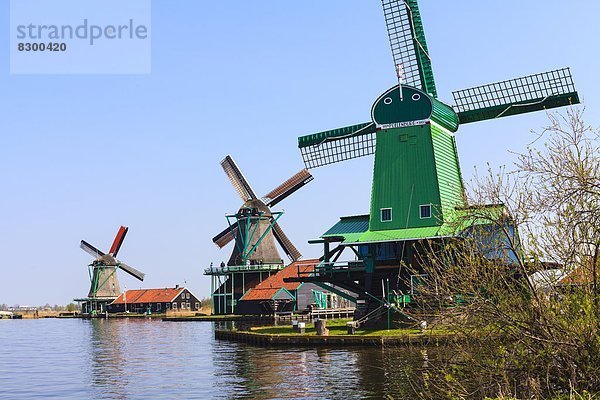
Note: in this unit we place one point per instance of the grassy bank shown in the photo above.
(338, 328)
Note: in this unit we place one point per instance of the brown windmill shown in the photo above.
(254, 229)
(255, 226)
(103, 275)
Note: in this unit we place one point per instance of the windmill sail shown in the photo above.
(413, 66)
(226, 236)
(287, 188)
(516, 96)
(337, 145)
(285, 243)
(91, 250)
(407, 40)
(237, 179)
(132, 271)
(114, 249)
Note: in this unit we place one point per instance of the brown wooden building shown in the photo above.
(155, 301)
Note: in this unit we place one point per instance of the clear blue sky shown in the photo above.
(82, 154)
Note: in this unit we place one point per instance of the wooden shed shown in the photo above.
(155, 301)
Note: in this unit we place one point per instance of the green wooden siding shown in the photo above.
(415, 166)
(354, 228)
(444, 115)
(448, 170)
(404, 178)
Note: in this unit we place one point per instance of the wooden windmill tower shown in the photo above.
(254, 229)
(104, 287)
(417, 189)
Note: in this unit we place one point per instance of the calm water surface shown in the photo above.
(151, 359)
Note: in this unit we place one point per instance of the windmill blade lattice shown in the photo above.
(285, 243)
(337, 145)
(407, 40)
(91, 250)
(131, 271)
(226, 235)
(237, 179)
(287, 188)
(516, 96)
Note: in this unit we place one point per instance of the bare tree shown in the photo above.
(565, 182)
(516, 336)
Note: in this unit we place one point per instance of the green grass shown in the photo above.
(338, 328)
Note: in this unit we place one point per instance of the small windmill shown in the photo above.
(104, 286)
(254, 230)
(255, 224)
(417, 188)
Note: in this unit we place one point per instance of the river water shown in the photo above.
(152, 359)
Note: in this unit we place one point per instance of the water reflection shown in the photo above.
(256, 372)
(141, 359)
(106, 359)
(389, 371)
(129, 357)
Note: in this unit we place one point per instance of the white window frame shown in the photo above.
(174, 306)
(381, 214)
(197, 305)
(430, 211)
(158, 306)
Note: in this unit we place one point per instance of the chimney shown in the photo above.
(176, 286)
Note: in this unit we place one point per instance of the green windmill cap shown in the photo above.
(414, 107)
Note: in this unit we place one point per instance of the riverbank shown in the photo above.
(338, 336)
(333, 340)
(34, 314)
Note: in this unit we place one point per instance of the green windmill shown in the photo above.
(417, 189)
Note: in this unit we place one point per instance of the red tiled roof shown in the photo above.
(270, 286)
(165, 295)
(261, 294)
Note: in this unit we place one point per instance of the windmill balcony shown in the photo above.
(227, 269)
(330, 268)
